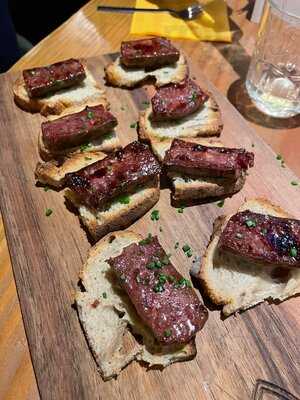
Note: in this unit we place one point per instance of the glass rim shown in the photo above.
(273, 4)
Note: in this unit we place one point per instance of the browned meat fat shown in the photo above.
(43, 80)
(164, 300)
(148, 53)
(76, 129)
(177, 100)
(262, 238)
(196, 160)
(117, 174)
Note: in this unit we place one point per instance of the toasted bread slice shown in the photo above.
(108, 316)
(106, 143)
(206, 122)
(237, 284)
(53, 173)
(118, 75)
(89, 92)
(117, 215)
(192, 189)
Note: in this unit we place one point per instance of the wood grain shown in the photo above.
(47, 253)
(88, 33)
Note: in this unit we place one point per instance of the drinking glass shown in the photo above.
(273, 80)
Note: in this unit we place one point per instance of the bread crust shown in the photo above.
(211, 260)
(108, 323)
(117, 75)
(117, 216)
(89, 92)
(205, 188)
(53, 173)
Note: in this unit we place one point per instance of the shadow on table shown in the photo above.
(235, 54)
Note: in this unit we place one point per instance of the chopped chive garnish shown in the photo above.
(90, 115)
(48, 212)
(186, 248)
(220, 203)
(147, 240)
(189, 253)
(146, 103)
(158, 288)
(293, 252)
(87, 158)
(180, 210)
(264, 231)
(194, 96)
(108, 136)
(124, 199)
(182, 283)
(162, 278)
(167, 333)
(104, 295)
(160, 229)
(155, 215)
(294, 183)
(85, 147)
(133, 125)
(151, 265)
(250, 223)
(157, 264)
(176, 245)
(252, 145)
(280, 158)
(46, 188)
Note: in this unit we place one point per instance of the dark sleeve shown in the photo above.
(9, 51)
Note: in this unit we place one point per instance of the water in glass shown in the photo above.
(273, 80)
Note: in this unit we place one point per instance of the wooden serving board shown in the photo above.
(47, 253)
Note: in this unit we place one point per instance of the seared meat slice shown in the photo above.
(262, 238)
(148, 53)
(164, 300)
(42, 80)
(177, 100)
(194, 159)
(118, 173)
(75, 129)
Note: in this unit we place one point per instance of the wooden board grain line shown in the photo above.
(47, 253)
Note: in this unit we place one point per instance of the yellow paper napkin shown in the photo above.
(164, 24)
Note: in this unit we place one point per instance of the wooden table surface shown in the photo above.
(88, 33)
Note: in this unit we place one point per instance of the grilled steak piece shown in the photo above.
(42, 80)
(148, 53)
(177, 100)
(164, 300)
(263, 239)
(75, 129)
(118, 173)
(194, 159)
